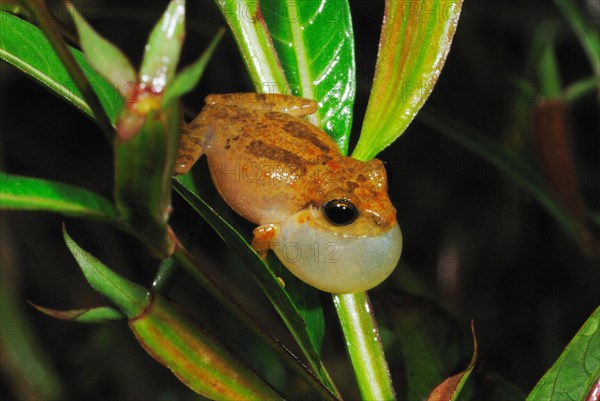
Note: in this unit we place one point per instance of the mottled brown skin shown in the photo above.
(268, 164)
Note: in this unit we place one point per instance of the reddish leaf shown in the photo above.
(86, 315)
(594, 394)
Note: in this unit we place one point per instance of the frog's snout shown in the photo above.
(334, 262)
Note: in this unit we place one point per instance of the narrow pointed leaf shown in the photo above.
(188, 78)
(24, 46)
(28, 193)
(305, 298)
(415, 41)
(130, 298)
(107, 59)
(272, 288)
(51, 29)
(364, 346)
(164, 46)
(254, 41)
(99, 314)
(164, 275)
(576, 372)
(588, 35)
(185, 259)
(450, 389)
(195, 356)
(315, 44)
(576, 90)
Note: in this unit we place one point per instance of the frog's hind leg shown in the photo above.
(292, 105)
(190, 145)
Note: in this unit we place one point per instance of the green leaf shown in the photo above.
(185, 259)
(364, 346)
(506, 162)
(430, 343)
(574, 374)
(195, 356)
(315, 44)
(415, 41)
(254, 41)
(188, 78)
(164, 275)
(163, 48)
(130, 298)
(576, 90)
(305, 298)
(24, 46)
(107, 59)
(144, 165)
(27, 193)
(99, 314)
(588, 35)
(269, 283)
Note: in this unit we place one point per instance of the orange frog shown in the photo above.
(327, 217)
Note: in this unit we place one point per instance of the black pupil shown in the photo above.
(340, 212)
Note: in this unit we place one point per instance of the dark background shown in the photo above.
(475, 242)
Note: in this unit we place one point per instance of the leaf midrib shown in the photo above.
(302, 61)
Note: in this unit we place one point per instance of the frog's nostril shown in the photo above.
(389, 172)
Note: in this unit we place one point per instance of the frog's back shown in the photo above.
(265, 164)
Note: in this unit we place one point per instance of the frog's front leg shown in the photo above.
(292, 105)
(189, 152)
(263, 241)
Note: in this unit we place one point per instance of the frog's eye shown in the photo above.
(340, 212)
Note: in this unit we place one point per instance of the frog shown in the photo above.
(327, 217)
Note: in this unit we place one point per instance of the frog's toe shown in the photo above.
(263, 239)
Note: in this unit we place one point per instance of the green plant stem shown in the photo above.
(50, 28)
(549, 76)
(185, 259)
(364, 346)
